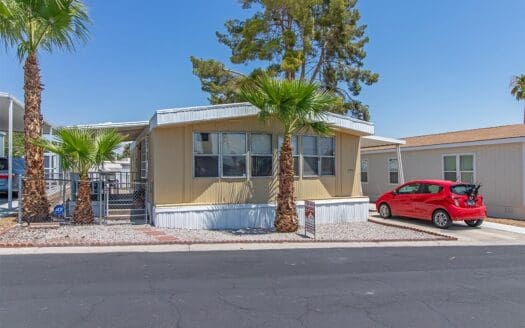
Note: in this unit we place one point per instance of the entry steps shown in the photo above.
(124, 209)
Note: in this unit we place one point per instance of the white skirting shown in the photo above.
(237, 216)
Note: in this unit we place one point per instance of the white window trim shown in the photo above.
(458, 168)
(367, 170)
(144, 161)
(246, 156)
(319, 157)
(205, 155)
(388, 171)
(250, 154)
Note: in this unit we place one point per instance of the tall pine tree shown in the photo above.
(314, 40)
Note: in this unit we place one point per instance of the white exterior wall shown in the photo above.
(237, 216)
(499, 168)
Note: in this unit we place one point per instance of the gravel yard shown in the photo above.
(362, 231)
(76, 234)
(133, 234)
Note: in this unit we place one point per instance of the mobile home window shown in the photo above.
(144, 158)
(327, 153)
(206, 154)
(364, 171)
(318, 155)
(261, 155)
(233, 155)
(295, 152)
(393, 171)
(459, 167)
(310, 156)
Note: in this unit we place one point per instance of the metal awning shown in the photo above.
(12, 120)
(377, 141)
(130, 130)
(18, 114)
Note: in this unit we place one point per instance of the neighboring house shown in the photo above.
(494, 157)
(217, 167)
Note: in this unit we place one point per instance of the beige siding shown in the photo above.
(499, 168)
(173, 172)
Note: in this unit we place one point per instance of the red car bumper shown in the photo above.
(469, 213)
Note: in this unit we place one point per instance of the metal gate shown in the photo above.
(124, 198)
(116, 197)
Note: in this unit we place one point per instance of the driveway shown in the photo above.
(361, 287)
(483, 235)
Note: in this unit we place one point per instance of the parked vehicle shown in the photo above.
(19, 168)
(440, 201)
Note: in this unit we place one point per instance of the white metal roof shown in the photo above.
(377, 141)
(129, 129)
(18, 114)
(187, 115)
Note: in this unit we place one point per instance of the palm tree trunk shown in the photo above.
(35, 204)
(83, 211)
(286, 215)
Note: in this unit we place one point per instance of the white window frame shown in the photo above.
(251, 154)
(218, 155)
(458, 167)
(367, 170)
(144, 158)
(246, 156)
(388, 170)
(319, 157)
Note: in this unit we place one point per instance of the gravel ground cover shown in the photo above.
(76, 234)
(134, 234)
(363, 231)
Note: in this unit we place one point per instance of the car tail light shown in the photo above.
(4, 176)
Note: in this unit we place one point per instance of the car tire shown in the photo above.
(384, 211)
(441, 219)
(474, 223)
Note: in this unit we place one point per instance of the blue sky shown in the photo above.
(444, 65)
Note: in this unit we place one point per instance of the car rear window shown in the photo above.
(462, 189)
(3, 164)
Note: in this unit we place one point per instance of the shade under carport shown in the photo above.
(377, 141)
(12, 120)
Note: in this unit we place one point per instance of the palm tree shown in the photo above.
(81, 150)
(31, 26)
(298, 106)
(518, 89)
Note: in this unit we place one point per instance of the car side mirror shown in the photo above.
(394, 192)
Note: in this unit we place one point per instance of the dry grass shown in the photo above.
(512, 222)
(7, 222)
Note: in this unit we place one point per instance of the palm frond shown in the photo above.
(30, 25)
(297, 104)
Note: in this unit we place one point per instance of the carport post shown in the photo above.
(400, 164)
(10, 158)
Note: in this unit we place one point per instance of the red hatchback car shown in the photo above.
(440, 201)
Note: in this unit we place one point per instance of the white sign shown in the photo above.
(309, 218)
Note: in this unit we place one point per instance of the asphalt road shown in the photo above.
(374, 287)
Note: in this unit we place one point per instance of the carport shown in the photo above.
(377, 141)
(12, 120)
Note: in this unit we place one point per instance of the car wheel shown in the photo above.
(384, 211)
(474, 223)
(441, 219)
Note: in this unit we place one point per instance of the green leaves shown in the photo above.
(297, 105)
(518, 87)
(82, 149)
(31, 25)
(314, 40)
